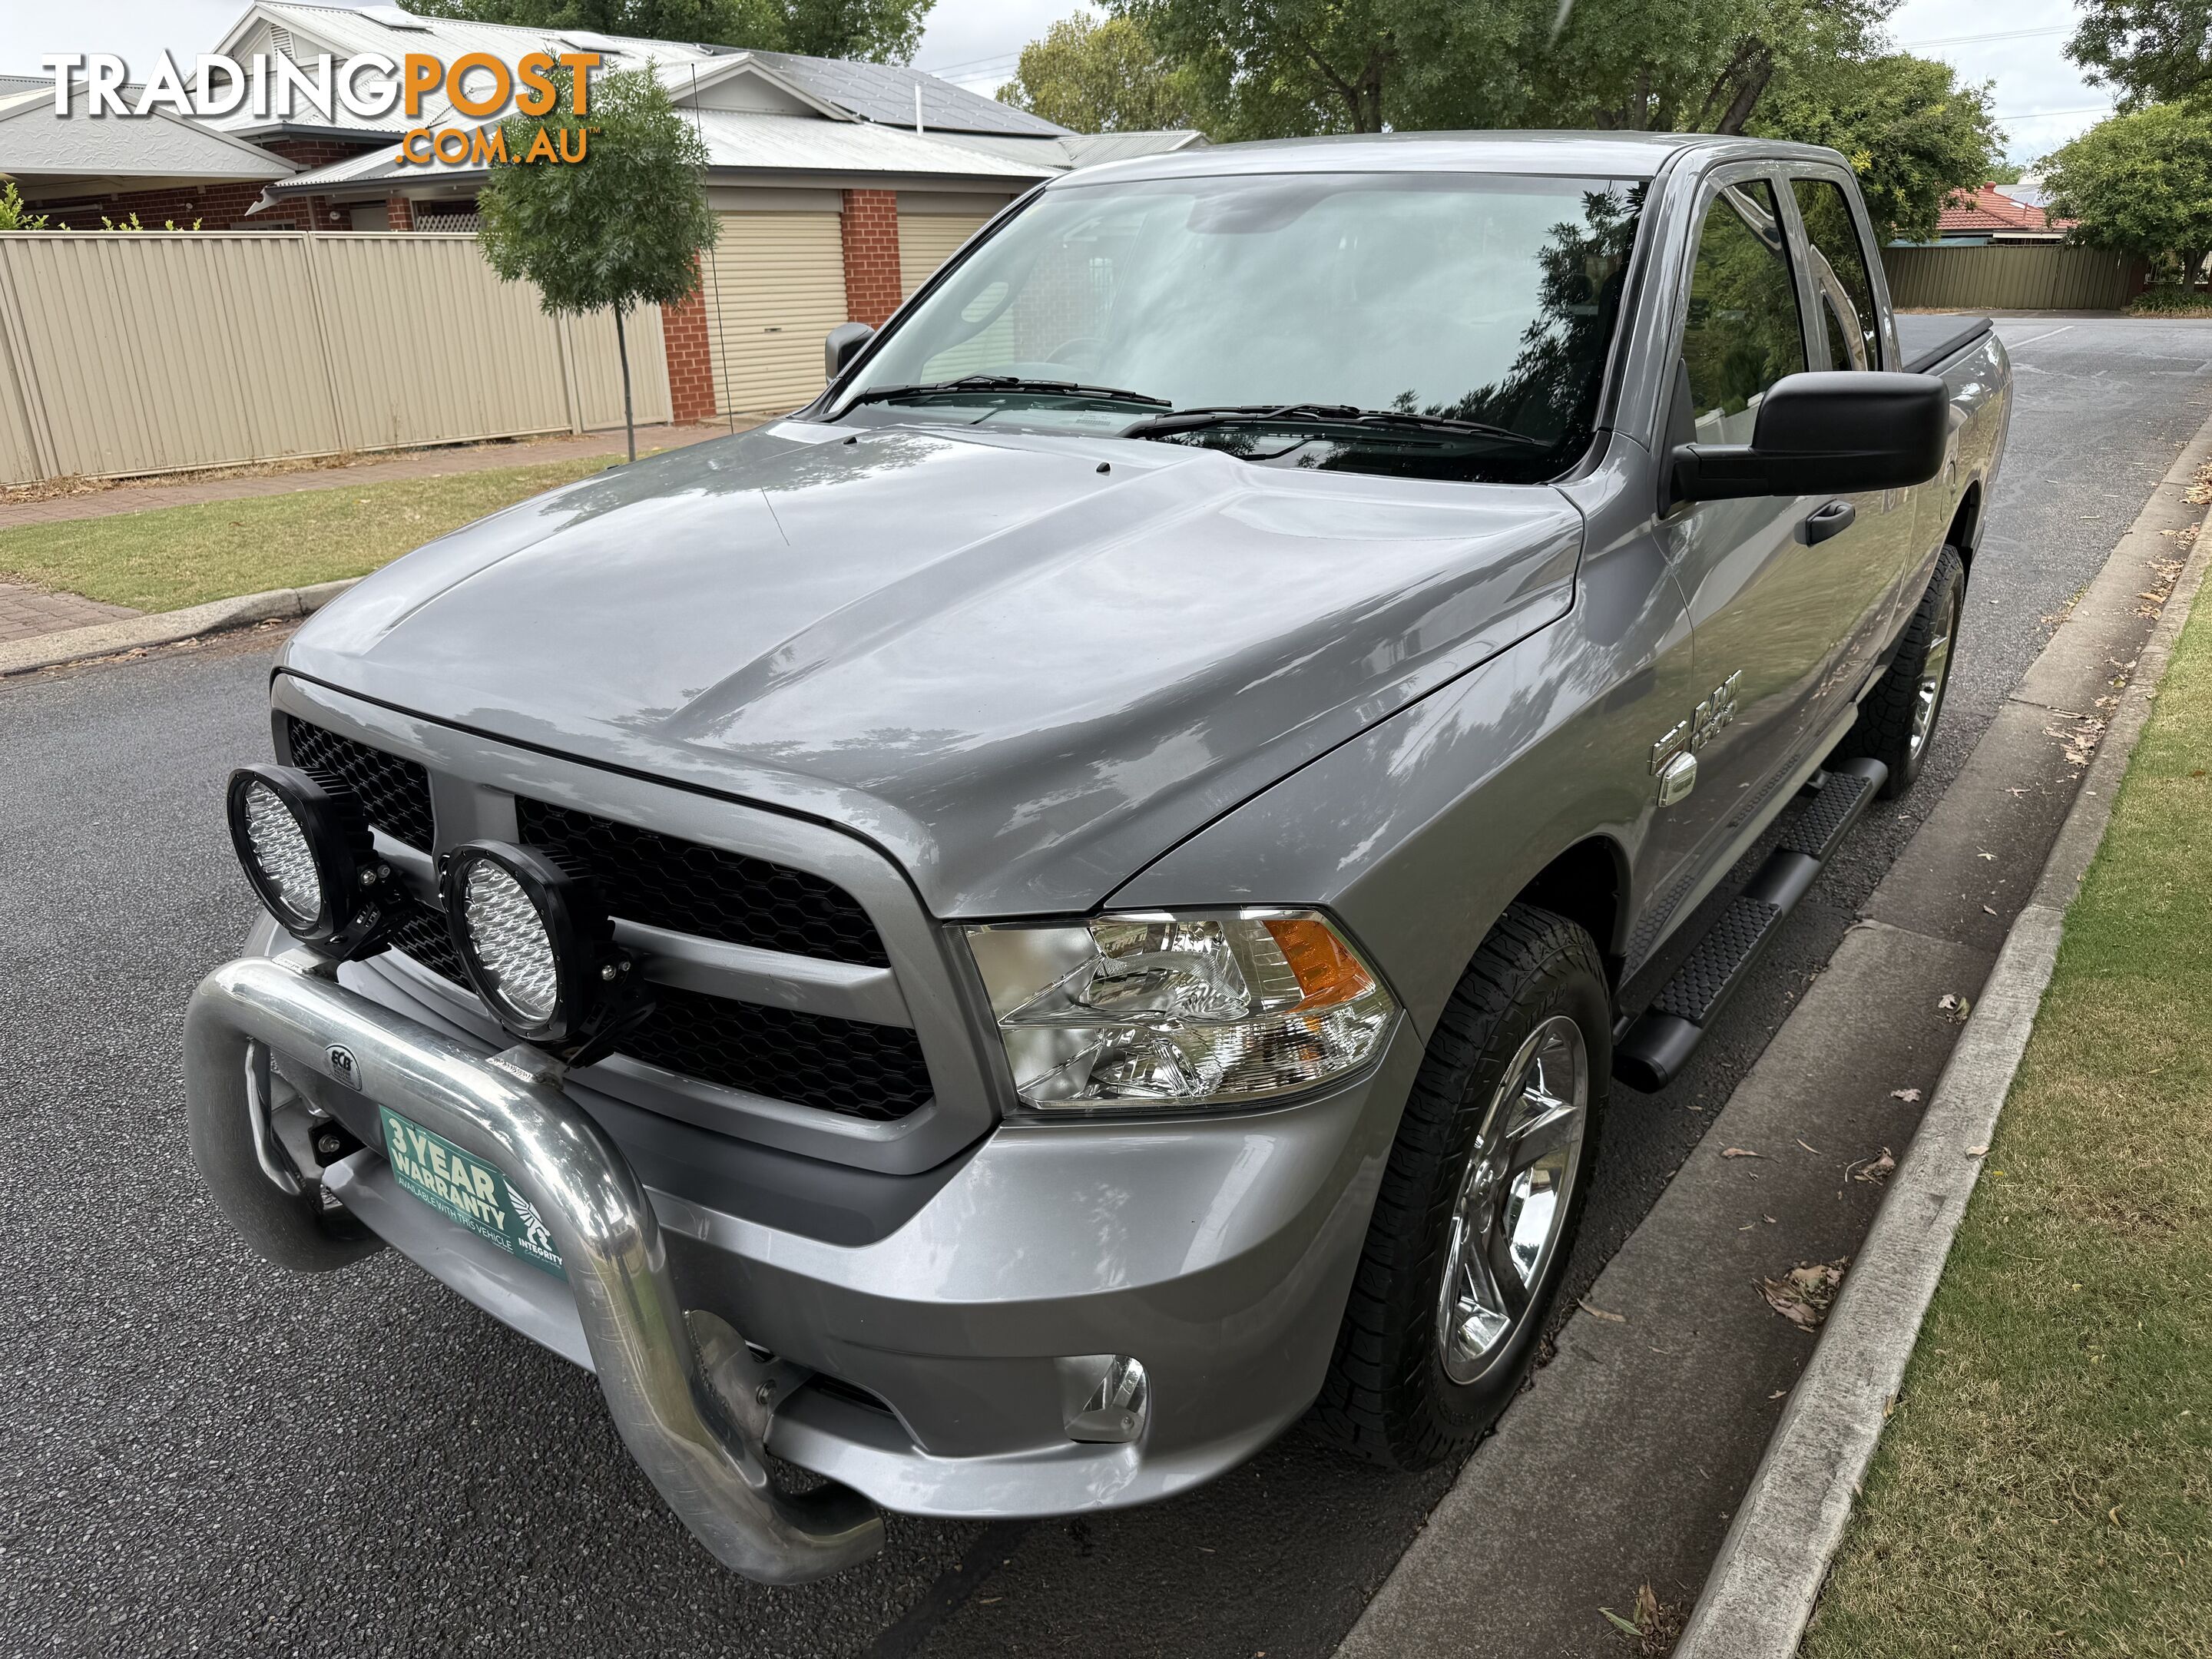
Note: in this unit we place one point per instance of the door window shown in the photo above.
(1744, 331)
(1840, 275)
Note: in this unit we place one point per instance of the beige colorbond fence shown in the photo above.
(2034, 276)
(155, 352)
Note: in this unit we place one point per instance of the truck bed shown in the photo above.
(1927, 341)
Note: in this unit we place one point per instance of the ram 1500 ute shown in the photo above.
(1008, 936)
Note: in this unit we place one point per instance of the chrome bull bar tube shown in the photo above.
(701, 1449)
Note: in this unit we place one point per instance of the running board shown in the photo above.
(1651, 1052)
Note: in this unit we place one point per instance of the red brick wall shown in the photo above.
(399, 213)
(871, 255)
(220, 207)
(690, 360)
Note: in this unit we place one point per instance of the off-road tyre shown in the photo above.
(1386, 1397)
(1885, 726)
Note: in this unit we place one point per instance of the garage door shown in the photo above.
(926, 241)
(775, 287)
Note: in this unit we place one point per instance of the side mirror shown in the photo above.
(1827, 433)
(843, 345)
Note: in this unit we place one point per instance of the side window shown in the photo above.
(1744, 331)
(1840, 275)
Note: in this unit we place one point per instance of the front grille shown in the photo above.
(420, 930)
(841, 1066)
(662, 882)
(395, 793)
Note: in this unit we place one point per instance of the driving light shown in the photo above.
(1143, 1012)
(539, 948)
(303, 843)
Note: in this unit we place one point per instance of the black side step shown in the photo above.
(1651, 1052)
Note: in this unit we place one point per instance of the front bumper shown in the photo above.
(1217, 1251)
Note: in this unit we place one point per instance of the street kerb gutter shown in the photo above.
(111, 639)
(1760, 1594)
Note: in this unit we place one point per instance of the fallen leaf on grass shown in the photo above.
(1600, 1313)
(1738, 1152)
(1804, 1294)
(1875, 1170)
(1908, 1096)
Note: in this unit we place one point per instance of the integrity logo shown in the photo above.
(479, 87)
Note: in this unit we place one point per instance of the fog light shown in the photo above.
(539, 948)
(304, 843)
(1109, 1395)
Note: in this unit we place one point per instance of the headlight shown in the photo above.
(1141, 1013)
(304, 846)
(537, 947)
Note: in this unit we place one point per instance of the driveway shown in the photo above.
(203, 1455)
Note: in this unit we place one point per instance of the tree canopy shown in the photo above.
(1104, 78)
(1912, 133)
(2140, 183)
(879, 31)
(621, 226)
(2147, 50)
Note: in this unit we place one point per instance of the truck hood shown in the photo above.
(1024, 666)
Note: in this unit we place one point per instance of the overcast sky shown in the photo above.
(2041, 98)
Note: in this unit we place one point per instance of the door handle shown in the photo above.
(1832, 519)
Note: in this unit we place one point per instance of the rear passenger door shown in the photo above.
(1869, 565)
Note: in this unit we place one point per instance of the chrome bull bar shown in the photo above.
(699, 1443)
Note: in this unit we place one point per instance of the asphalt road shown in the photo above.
(201, 1456)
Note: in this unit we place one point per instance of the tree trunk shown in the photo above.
(621, 350)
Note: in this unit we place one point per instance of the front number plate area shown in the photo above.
(467, 1191)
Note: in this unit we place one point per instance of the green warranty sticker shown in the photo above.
(467, 1191)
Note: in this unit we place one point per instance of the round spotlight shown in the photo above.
(537, 944)
(304, 846)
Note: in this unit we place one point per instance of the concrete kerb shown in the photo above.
(1760, 1594)
(164, 627)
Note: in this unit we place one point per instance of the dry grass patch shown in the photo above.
(2046, 1486)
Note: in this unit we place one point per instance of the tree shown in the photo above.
(1282, 67)
(14, 215)
(1104, 78)
(2147, 50)
(2140, 183)
(879, 31)
(623, 226)
(1912, 133)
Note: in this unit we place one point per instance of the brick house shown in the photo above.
(839, 186)
(1990, 215)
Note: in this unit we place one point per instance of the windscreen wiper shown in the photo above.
(1334, 415)
(887, 394)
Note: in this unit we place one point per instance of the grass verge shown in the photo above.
(2046, 1486)
(172, 557)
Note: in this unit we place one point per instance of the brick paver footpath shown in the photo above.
(26, 613)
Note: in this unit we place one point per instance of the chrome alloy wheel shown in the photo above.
(1514, 1199)
(1935, 679)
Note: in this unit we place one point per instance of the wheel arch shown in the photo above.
(1966, 526)
(1588, 883)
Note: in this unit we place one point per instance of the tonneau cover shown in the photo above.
(1927, 341)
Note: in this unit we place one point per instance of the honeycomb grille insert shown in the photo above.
(420, 930)
(646, 877)
(395, 793)
(840, 1065)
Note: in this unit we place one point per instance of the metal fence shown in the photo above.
(125, 355)
(2031, 277)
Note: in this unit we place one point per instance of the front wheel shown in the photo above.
(1480, 1200)
(1897, 720)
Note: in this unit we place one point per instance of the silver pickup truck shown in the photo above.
(1008, 936)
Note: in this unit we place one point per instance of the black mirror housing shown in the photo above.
(841, 345)
(1826, 432)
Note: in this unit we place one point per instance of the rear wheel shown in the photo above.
(1481, 1201)
(1897, 720)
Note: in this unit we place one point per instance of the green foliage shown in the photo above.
(2171, 299)
(14, 215)
(879, 31)
(624, 227)
(2003, 172)
(1912, 134)
(1104, 78)
(2147, 50)
(1284, 68)
(2140, 183)
(131, 223)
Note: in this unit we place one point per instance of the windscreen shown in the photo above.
(1489, 301)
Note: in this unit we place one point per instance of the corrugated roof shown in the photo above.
(885, 93)
(740, 141)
